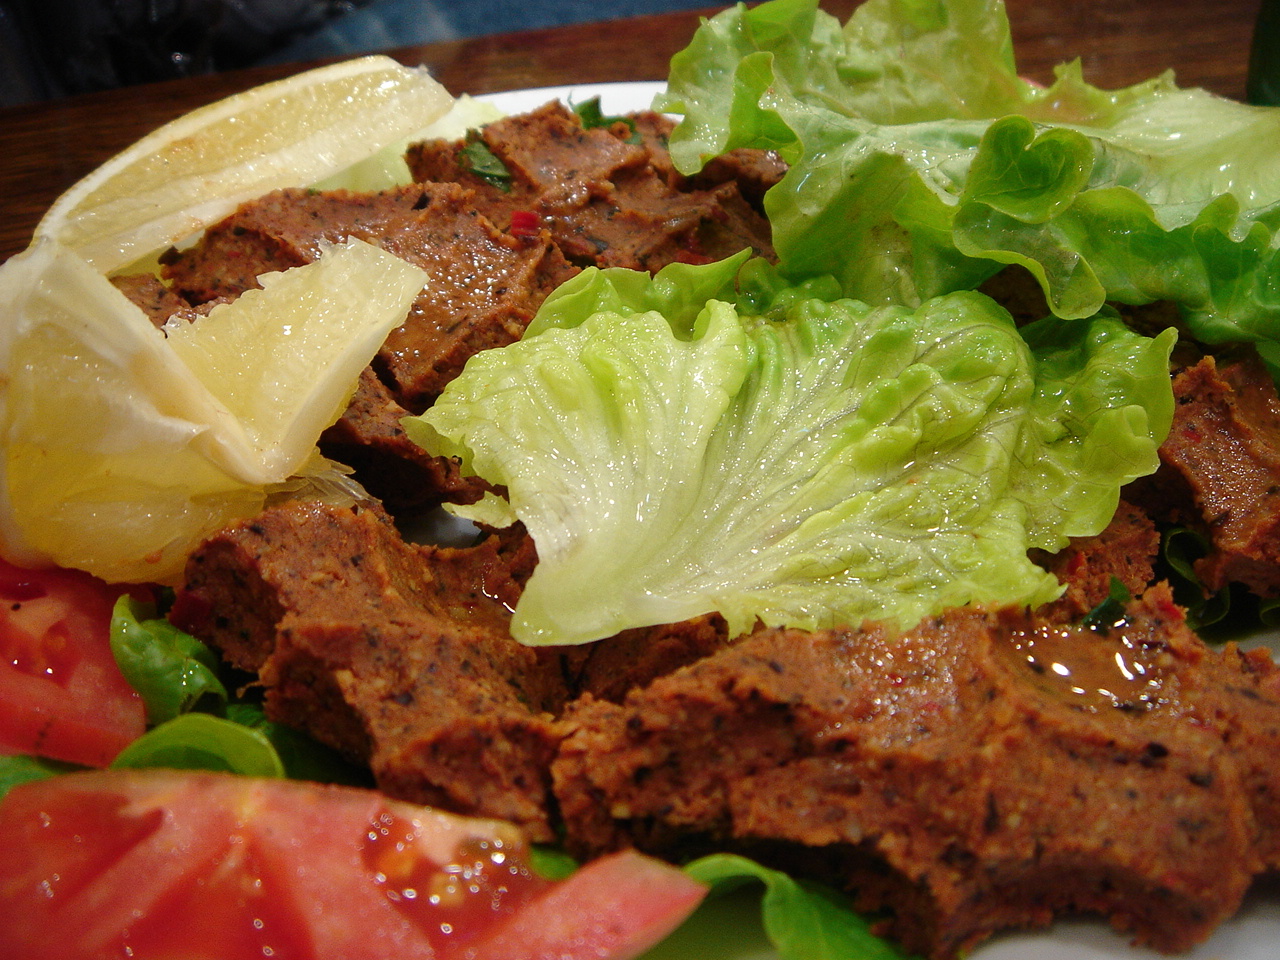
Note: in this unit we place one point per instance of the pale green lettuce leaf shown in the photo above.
(773, 453)
(922, 164)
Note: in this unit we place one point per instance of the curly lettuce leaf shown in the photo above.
(778, 454)
(921, 164)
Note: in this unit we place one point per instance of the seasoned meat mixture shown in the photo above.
(572, 197)
(1219, 470)
(485, 285)
(1125, 552)
(986, 769)
(397, 655)
(400, 655)
(606, 201)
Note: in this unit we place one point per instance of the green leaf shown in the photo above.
(484, 163)
(921, 163)
(1111, 611)
(804, 921)
(303, 757)
(1181, 548)
(200, 741)
(20, 768)
(170, 669)
(778, 456)
(592, 117)
(551, 863)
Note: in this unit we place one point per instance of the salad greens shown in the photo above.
(201, 741)
(194, 721)
(715, 439)
(170, 669)
(803, 921)
(920, 164)
(21, 768)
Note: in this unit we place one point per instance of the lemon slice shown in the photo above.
(198, 168)
(309, 332)
(120, 448)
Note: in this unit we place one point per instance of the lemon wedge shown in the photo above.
(123, 447)
(284, 359)
(198, 168)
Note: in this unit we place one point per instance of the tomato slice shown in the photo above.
(170, 864)
(61, 693)
(635, 902)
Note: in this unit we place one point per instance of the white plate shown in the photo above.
(614, 97)
(729, 931)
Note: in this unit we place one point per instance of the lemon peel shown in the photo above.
(196, 169)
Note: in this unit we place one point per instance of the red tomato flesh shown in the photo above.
(174, 865)
(636, 901)
(61, 693)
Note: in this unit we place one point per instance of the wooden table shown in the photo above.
(46, 147)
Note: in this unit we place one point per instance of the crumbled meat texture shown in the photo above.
(986, 770)
(485, 285)
(370, 439)
(606, 202)
(146, 290)
(397, 655)
(1220, 471)
(654, 130)
(401, 656)
(611, 668)
(1125, 551)
(754, 171)
(950, 776)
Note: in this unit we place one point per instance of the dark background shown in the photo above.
(56, 48)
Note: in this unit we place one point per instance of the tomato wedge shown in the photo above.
(61, 693)
(635, 901)
(168, 864)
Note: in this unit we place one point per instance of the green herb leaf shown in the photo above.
(803, 920)
(170, 669)
(199, 741)
(592, 116)
(484, 163)
(551, 863)
(1111, 611)
(1181, 548)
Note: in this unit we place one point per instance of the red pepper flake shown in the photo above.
(691, 251)
(525, 223)
(1169, 609)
